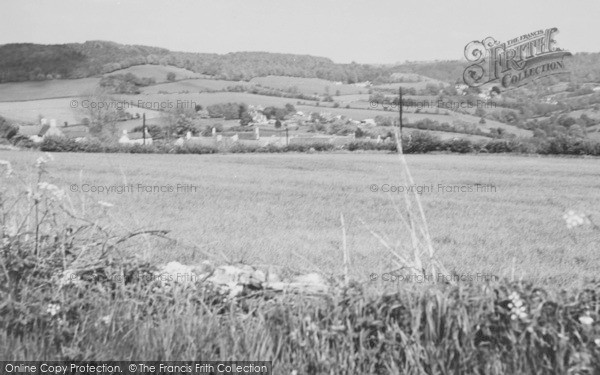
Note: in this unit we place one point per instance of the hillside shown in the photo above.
(584, 68)
(28, 62)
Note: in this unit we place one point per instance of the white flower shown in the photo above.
(40, 161)
(49, 156)
(586, 320)
(106, 319)
(11, 230)
(597, 342)
(518, 310)
(105, 204)
(55, 192)
(575, 219)
(68, 277)
(7, 167)
(53, 309)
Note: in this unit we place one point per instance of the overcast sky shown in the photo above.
(383, 31)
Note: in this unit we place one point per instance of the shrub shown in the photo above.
(461, 146)
(421, 142)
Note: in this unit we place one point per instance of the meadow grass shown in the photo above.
(114, 309)
(268, 209)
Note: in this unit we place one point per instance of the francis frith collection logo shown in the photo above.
(516, 62)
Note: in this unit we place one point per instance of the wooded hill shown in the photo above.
(29, 62)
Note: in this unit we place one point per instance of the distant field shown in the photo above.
(308, 86)
(205, 99)
(15, 98)
(59, 109)
(58, 88)
(192, 85)
(410, 77)
(362, 114)
(158, 72)
(284, 209)
(366, 112)
(348, 99)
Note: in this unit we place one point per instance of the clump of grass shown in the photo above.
(419, 257)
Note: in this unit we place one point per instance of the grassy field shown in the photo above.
(192, 85)
(284, 209)
(158, 72)
(63, 109)
(35, 90)
(308, 86)
(206, 99)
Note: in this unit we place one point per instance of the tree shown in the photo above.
(576, 131)
(7, 130)
(171, 76)
(289, 108)
(315, 117)
(180, 121)
(480, 112)
(245, 119)
(277, 124)
(101, 112)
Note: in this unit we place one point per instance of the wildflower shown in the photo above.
(7, 167)
(518, 310)
(586, 320)
(40, 161)
(338, 328)
(106, 319)
(10, 230)
(49, 156)
(575, 219)
(105, 204)
(597, 342)
(68, 277)
(53, 309)
(55, 192)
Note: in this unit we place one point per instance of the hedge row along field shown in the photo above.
(417, 143)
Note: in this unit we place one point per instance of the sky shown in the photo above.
(384, 31)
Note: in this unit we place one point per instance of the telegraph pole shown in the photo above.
(400, 110)
(287, 138)
(144, 127)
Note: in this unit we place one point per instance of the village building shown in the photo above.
(135, 138)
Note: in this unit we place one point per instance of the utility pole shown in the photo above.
(144, 127)
(400, 102)
(287, 139)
